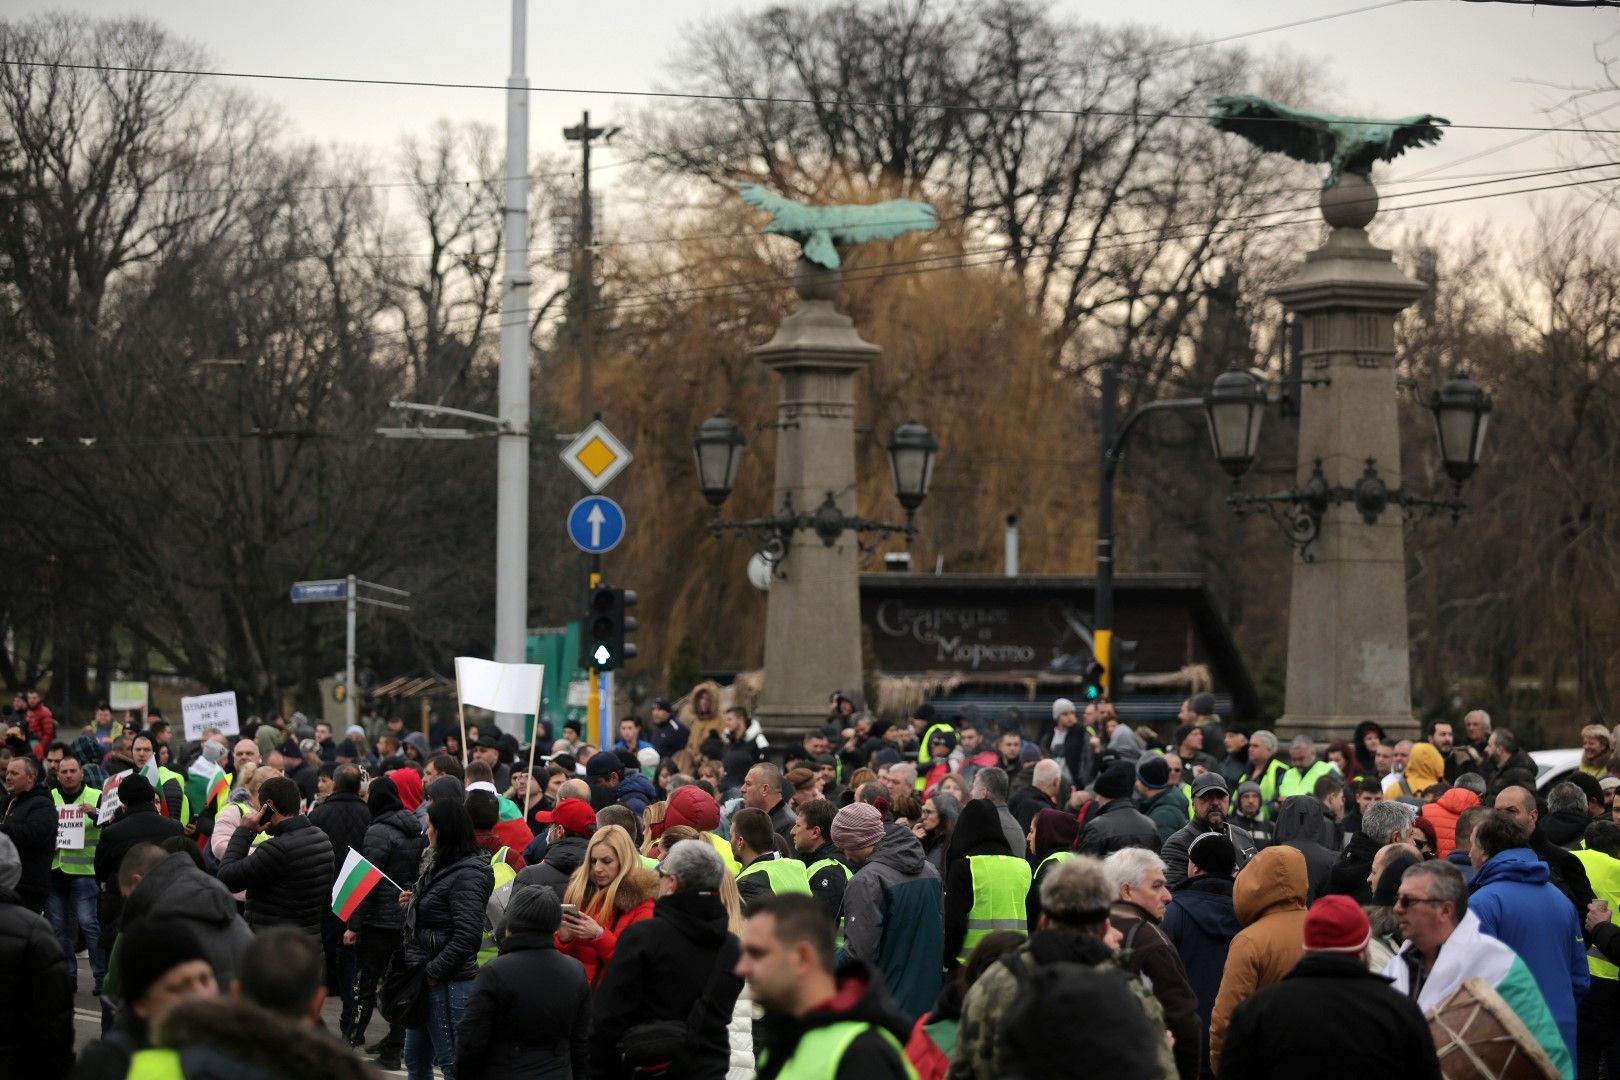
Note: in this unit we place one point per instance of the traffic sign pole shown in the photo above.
(352, 605)
(593, 698)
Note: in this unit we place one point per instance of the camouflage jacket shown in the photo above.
(979, 1049)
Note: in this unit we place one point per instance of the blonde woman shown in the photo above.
(650, 818)
(610, 891)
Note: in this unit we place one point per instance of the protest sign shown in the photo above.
(70, 827)
(128, 695)
(216, 711)
(109, 797)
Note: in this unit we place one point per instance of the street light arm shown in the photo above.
(445, 410)
(1116, 450)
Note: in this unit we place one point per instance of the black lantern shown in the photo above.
(1462, 409)
(1234, 407)
(718, 444)
(911, 458)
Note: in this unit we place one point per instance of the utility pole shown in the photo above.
(512, 499)
(585, 258)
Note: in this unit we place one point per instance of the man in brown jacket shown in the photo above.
(1140, 897)
(1269, 898)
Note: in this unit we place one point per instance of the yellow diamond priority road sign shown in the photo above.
(596, 456)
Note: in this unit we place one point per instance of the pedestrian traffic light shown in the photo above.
(1120, 664)
(602, 646)
(1093, 689)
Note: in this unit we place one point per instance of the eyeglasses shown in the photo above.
(1402, 901)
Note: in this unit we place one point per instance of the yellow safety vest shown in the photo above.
(1000, 893)
(164, 776)
(155, 1065)
(725, 853)
(821, 1051)
(81, 861)
(1296, 783)
(924, 758)
(785, 875)
(1056, 856)
(1603, 872)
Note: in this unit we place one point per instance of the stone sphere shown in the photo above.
(1352, 203)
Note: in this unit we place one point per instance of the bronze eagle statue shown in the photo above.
(1348, 143)
(820, 230)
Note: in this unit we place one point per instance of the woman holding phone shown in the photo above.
(608, 892)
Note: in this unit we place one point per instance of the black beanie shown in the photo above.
(148, 949)
(1389, 882)
(135, 790)
(1212, 853)
(1116, 781)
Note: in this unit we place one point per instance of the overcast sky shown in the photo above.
(1473, 63)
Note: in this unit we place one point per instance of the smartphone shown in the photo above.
(570, 909)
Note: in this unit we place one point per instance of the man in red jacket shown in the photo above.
(41, 724)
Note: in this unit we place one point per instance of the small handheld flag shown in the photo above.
(354, 883)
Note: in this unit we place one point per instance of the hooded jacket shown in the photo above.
(218, 1038)
(701, 727)
(1564, 828)
(176, 889)
(1424, 769)
(893, 921)
(393, 844)
(1201, 923)
(1125, 744)
(1518, 906)
(860, 999)
(1365, 761)
(508, 1031)
(560, 862)
(1117, 826)
(288, 878)
(677, 965)
(1303, 824)
(633, 902)
(1169, 811)
(1443, 814)
(1269, 900)
(635, 791)
(977, 832)
(1350, 873)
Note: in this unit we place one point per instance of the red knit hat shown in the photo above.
(1336, 924)
(693, 807)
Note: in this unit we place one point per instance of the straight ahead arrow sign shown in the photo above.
(596, 518)
(596, 524)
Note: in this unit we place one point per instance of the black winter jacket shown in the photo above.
(393, 844)
(559, 864)
(288, 878)
(1174, 852)
(1349, 875)
(1117, 826)
(176, 889)
(344, 819)
(37, 1038)
(444, 924)
(1332, 1016)
(1028, 801)
(509, 1032)
(1518, 771)
(30, 820)
(134, 825)
(677, 965)
(1201, 923)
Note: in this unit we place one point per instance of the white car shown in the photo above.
(1553, 766)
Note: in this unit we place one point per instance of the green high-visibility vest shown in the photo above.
(649, 863)
(164, 776)
(924, 758)
(155, 1065)
(821, 1051)
(1296, 783)
(1057, 857)
(1603, 872)
(785, 875)
(82, 861)
(1000, 892)
(1270, 778)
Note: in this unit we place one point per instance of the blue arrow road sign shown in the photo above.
(596, 524)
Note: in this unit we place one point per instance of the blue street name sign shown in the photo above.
(315, 592)
(596, 524)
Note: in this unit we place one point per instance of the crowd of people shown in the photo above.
(946, 896)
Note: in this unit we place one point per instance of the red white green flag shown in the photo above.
(354, 883)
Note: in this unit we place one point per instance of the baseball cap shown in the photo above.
(1208, 782)
(574, 815)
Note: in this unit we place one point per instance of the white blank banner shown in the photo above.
(502, 688)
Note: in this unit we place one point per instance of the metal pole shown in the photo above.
(593, 699)
(1102, 629)
(512, 500)
(587, 234)
(350, 604)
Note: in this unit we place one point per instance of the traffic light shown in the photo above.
(1092, 689)
(1120, 664)
(602, 646)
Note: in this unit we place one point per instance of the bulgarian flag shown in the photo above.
(214, 779)
(354, 883)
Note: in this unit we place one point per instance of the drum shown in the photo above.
(1477, 1037)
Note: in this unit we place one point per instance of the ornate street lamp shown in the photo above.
(718, 444)
(1462, 410)
(1234, 407)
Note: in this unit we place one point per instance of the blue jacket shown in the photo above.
(1201, 923)
(636, 792)
(1518, 906)
(1460, 860)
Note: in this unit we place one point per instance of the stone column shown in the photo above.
(1347, 644)
(813, 616)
